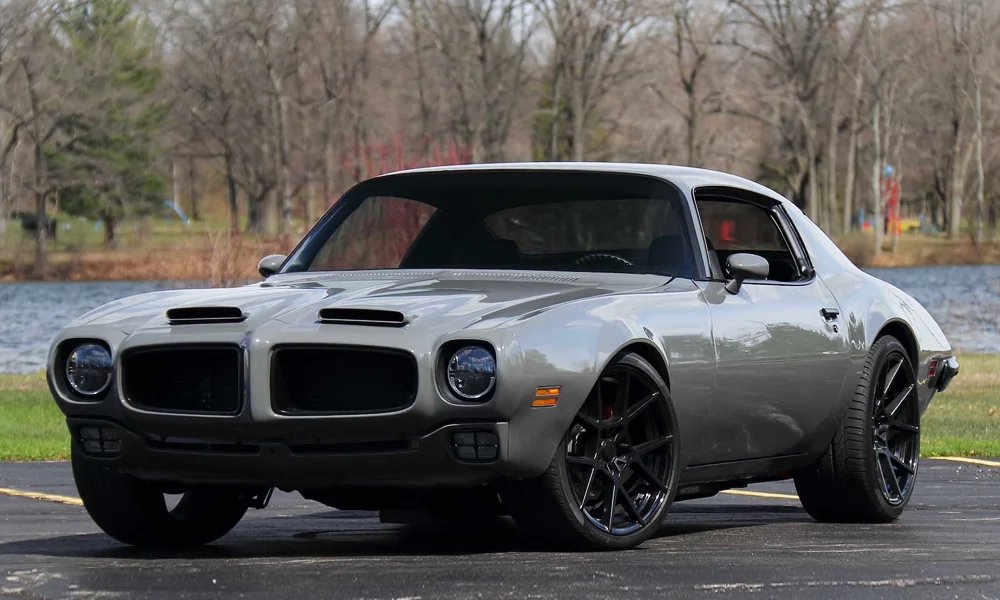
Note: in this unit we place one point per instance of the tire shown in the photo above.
(848, 485)
(134, 512)
(548, 508)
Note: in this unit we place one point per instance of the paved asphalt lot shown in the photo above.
(947, 545)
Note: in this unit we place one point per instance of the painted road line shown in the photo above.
(761, 494)
(40, 496)
(971, 461)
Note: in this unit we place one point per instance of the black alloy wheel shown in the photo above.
(869, 470)
(619, 452)
(895, 428)
(615, 472)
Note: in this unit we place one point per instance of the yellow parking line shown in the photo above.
(761, 494)
(971, 461)
(40, 496)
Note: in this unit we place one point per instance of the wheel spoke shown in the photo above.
(582, 461)
(627, 503)
(646, 473)
(641, 405)
(904, 427)
(621, 398)
(889, 474)
(901, 397)
(586, 490)
(610, 494)
(900, 464)
(600, 401)
(588, 422)
(646, 447)
(891, 377)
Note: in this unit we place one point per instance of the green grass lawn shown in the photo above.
(962, 421)
(31, 427)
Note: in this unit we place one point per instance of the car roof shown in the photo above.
(689, 177)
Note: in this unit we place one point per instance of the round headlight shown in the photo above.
(472, 372)
(88, 369)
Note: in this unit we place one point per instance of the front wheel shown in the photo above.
(869, 470)
(135, 512)
(614, 475)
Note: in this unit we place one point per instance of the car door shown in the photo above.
(782, 350)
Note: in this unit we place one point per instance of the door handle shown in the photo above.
(829, 313)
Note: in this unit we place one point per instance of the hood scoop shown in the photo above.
(205, 314)
(362, 316)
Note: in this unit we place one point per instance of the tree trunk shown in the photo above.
(42, 217)
(833, 136)
(955, 192)
(980, 192)
(264, 206)
(814, 203)
(852, 153)
(193, 188)
(175, 176)
(234, 220)
(41, 231)
(310, 204)
(692, 129)
(877, 172)
(109, 229)
(555, 113)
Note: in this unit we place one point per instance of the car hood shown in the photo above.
(448, 300)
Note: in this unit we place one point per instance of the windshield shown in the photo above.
(561, 222)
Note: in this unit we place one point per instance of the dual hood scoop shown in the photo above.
(205, 314)
(362, 316)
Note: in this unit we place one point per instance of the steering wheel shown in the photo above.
(604, 258)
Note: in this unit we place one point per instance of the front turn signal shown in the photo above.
(546, 396)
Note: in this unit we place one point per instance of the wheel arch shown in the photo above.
(900, 330)
(649, 352)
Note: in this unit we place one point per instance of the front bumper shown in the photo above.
(947, 371)
(430, 459)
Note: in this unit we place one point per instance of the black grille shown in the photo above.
(335, 380)
(188, 379)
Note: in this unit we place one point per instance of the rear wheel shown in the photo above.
(135, 512)
(869, 470)
(614, 474)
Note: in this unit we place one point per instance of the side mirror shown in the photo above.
(270, 264)
(744, 266)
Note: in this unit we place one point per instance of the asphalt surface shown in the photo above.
(947, 545)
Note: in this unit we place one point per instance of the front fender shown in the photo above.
(571, 345)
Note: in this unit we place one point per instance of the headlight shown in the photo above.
(472, 372)
(88, 369)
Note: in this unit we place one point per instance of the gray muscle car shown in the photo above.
(575, 345)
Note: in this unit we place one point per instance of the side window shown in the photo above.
(732, 226)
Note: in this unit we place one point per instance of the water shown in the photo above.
(32, 313)
(965, 301)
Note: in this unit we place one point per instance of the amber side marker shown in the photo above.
(546, 396)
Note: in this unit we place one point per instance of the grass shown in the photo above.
(31, 426)
(918, 249)
(962, 421)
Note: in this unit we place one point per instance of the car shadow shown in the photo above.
(358, 535)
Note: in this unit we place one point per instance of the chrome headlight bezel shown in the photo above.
(100, 363)
(472, 355)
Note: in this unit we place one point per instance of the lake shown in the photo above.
(965, 300)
